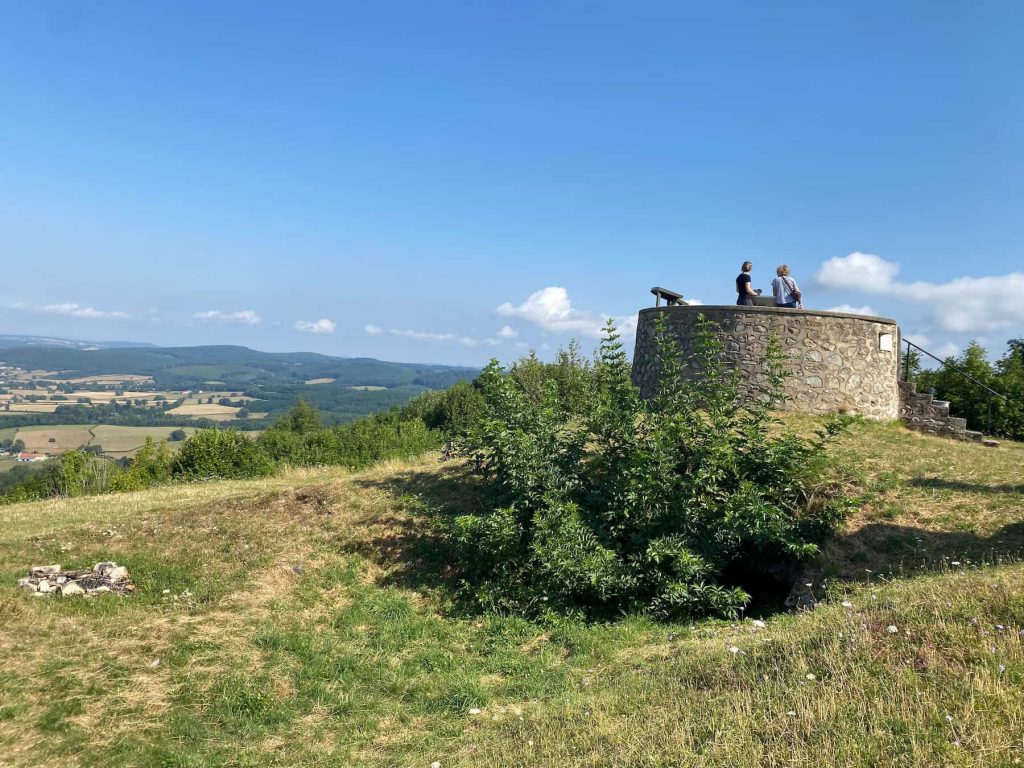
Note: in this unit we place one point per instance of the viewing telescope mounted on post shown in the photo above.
(671, 298)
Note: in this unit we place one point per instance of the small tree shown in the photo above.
(603, 502)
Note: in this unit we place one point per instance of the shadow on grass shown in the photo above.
(935, 483)
(411, 546)
(886, 548)
(415, 554)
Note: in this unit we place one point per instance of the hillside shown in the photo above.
(306, 619)
(8, 340)
(230, 366)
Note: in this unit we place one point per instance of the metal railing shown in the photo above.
(960, 371)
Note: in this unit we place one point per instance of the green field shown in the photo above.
(308, 619)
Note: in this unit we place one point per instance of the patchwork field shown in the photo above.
(212, 411)
(54, 439)
(308, 619)
(320, 381)
(116, 441)
(125, 441)
(14, 408)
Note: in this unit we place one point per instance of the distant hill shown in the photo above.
(7, 341)
(229, 367)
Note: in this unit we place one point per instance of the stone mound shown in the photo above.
(45, 580)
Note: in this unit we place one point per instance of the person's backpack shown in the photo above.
(791, 287)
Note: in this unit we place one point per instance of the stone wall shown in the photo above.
(839, 362)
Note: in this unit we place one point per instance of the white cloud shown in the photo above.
(76, 310)
(507, 332)
(423, 335)
(864, 309)
(323, 325)
(551, 309)
(857, 270)
(435, 336)
(242, 317)
(961, 305)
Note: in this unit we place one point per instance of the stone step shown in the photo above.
(956, 423)
(974, 435)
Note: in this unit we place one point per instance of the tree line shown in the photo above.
(997, 416)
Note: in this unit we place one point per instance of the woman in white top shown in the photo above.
(785, 289)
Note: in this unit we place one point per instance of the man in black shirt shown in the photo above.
(744, 293)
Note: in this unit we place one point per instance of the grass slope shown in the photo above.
(304, 619)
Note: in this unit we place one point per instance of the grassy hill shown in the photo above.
(305, 619)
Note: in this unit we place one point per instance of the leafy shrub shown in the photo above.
(604, 502)
(297, 438)
(221, 453)
(151, 466)
(455, 411)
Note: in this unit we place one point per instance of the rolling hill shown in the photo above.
(232, 366)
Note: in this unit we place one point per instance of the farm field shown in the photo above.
(319, 381)
(54, 439)
(116, 441)
(307, 619)
(16, 408)
(119, 441)
(212, 411)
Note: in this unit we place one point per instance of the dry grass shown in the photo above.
(127, 440)
(212, 411)
(64, 438)
(319, 381)
(33, 407)
(307, 622)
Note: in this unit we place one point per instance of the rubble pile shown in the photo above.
(45, 580)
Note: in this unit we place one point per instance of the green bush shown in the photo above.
(297, 438)
(221, 453)
(603, 502)
(151, 466)
(456, 411)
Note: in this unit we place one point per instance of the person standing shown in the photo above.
(786, 291)
(744, 293)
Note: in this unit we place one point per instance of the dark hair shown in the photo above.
(746, 267)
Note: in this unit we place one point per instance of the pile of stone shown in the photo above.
(103, 577)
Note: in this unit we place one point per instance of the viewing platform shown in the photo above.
(838, 362)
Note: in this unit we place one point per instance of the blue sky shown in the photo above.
(444, 182)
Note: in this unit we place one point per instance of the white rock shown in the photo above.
(758, 623)
(120, 573)
(474, 711)
(70, 590)
(435, 764)
(44, 586)
(105, 567)
(892, 629)
(45, 570)
(100, 589)
(26, 584)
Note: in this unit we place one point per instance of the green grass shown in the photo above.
(308, 620)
